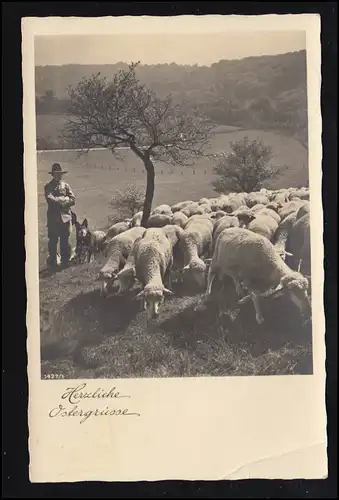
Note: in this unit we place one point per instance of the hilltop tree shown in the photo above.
(124, 112)
(245, 168)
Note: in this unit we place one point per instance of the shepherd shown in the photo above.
(60, 198)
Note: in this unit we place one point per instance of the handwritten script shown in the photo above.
(74, 397)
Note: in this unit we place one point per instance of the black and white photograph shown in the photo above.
(173, 205)
(174, 254)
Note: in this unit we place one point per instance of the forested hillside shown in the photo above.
(256, 92)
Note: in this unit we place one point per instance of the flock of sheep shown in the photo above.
(259, 240)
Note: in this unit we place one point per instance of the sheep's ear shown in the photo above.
(168, 292)
(85, 223)
(139, 296)
(289, 254)
(186, 268)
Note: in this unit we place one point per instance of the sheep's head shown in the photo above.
(197, 270)
(153, 298)
(297, 286)
(107, 279)
(126, 278)
(245, 217)
(273, 205)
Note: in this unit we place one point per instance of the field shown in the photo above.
(85, 336)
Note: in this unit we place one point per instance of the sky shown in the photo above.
(204, 49)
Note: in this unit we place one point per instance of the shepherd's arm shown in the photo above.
(51, 199)
(70, 195)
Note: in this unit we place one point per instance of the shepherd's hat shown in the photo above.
(56, 167)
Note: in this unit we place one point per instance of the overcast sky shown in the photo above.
(153, 49)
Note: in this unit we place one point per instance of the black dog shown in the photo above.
(84, 242)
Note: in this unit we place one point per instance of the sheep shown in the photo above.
(273, 205)
(281, 235)
(204, 218)
(162, 209)
(179, 206)
(256, 208)
(215, 204)
(245, 217)
(303, 194)
(118, 250)
(300, 244)
(252, 262)
(204, 201)
(179, 219)
(256, 200)
(119, 227)
(221, 224)
(303, 210)
(195, 243)
(284, 233)
(192, 209)
(290, 207)
(159, 220)
(217, 215)
(153, 260)
(206, 207)
(136, 219)
(281, 198)
(236, 200)
(266, 223)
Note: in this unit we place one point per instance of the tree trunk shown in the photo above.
(149, 191)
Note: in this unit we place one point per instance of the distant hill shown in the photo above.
(268, 92)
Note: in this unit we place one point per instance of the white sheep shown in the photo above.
(206, 207)
(195, 243)
(118, 250)
(290, 207)
(266, 223)
(179, 219)
(303, 194)
(192, 209)
(256, 200)
(179, 206)
(217, 215)
(117, 228)
(283, 235)
(257, 208)
(221, 224)
(252, 262)
(153, 259)
(204, 201)
(159, 220)
(162, 209)
(300, 243)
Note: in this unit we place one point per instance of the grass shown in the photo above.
(86, 336)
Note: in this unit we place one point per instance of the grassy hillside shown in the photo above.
(86, 336)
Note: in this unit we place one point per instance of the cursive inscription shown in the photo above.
(75, 396)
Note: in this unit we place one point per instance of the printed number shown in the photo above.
(54, 376)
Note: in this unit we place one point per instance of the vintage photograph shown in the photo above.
(173, 204)
(174, 252)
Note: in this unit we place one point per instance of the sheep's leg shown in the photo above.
(258, 314)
